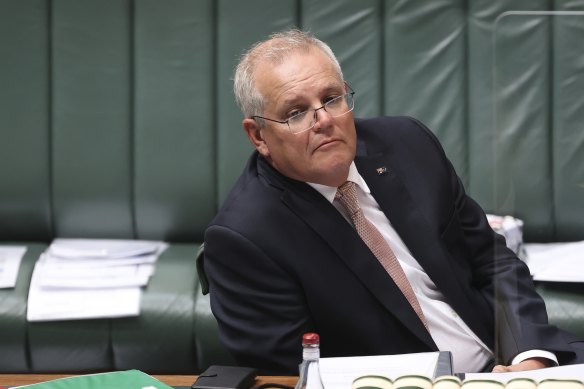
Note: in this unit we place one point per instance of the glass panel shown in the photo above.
(538, 75)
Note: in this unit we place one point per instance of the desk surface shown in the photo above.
(172, 380)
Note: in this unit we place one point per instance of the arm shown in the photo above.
(260, 309)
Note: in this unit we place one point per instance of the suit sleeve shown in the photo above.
(260, 308)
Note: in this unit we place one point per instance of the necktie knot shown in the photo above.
(347, 196)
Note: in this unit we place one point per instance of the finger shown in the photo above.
(501, 369)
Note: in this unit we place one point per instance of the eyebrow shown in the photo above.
(295, 98)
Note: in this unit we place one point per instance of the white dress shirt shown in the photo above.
(447, 329)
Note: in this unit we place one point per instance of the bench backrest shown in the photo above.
(117, 117)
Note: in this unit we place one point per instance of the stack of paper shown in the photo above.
(512, 229)
(91, 278)
(559, 262)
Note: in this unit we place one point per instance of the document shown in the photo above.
(340, 372)
(556, 262)
(91, 278)
(87, 304)
(10, 258)
(48, 304)
(104, 248)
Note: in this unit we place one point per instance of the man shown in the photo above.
(285, 256)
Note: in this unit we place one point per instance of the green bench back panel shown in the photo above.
(25, 195)
(117, 117)
(91, 118)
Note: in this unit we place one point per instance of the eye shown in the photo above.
(331, 99)
(295, 114)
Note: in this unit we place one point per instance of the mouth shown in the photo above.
(327, 144)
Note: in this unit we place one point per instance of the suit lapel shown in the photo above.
(414, 229)
(392, 196)
(328, 223)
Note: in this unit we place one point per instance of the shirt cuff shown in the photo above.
(535, 354)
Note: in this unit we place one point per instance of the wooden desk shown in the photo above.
(172, 380)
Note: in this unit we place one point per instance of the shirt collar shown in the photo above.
(329, 191)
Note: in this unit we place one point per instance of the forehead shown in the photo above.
(296, 74)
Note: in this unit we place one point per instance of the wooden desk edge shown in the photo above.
(172, 380)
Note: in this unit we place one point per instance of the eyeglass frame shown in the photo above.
(352, 93)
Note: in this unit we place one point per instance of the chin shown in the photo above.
(336, 173)
(339, 162)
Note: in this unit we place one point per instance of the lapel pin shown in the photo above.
(381, 171)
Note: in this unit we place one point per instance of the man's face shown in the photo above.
(323, 154)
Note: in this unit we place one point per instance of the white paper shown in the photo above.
(65, 304)
(559, 262)
(564, 372)
(341, 372)
(10, 258)
(91, 278)
(104, 248)
(100, 262)
(107, 277)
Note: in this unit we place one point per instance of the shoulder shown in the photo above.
(384, 131)
(394, 122)
(256, 201)
(384, 121)
(250, 193)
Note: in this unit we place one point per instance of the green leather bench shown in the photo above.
(117, 121)
(174, 334)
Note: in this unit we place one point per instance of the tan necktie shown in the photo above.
(347, 196)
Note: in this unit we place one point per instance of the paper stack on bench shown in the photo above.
(556, 262)
(91, 278)
(512, 229)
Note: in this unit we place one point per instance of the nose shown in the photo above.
(322, 118)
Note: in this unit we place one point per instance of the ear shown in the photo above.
(254, 134)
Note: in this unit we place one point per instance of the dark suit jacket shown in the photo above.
(282, 261)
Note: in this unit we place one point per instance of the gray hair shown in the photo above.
(274, 49)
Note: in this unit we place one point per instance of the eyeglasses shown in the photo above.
(303, 121)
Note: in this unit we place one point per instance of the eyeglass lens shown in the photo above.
(335, 107)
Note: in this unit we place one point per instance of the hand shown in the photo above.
(528, 364)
